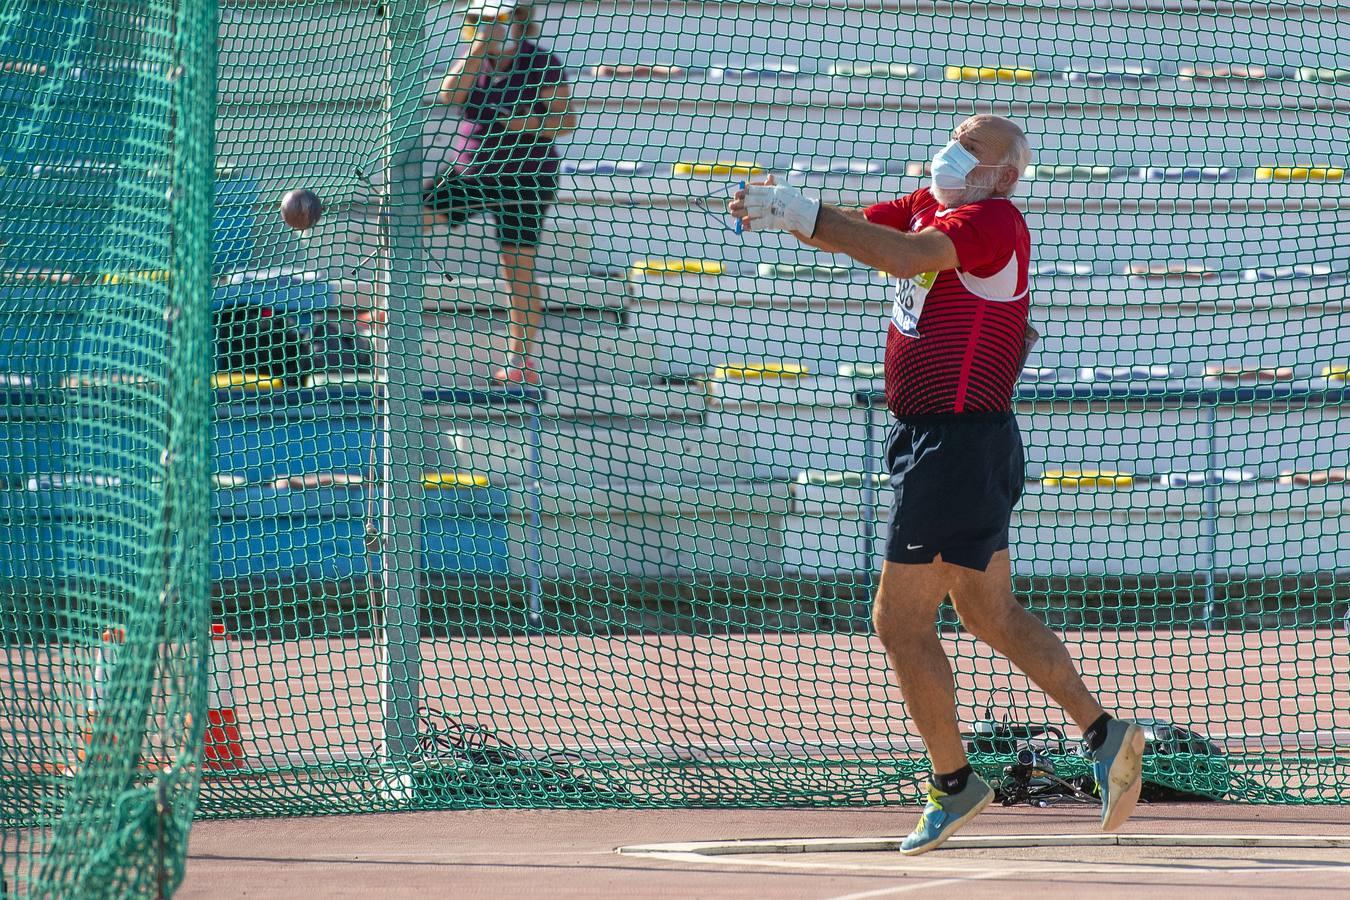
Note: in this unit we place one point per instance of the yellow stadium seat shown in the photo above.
(246, 381)
(677, 267)
(445, 480)
(1299, 173)
(1336, 373)
(718, 168)
(105, 379)
(768, 371)
(787, 270)
(134, 277)
(1086, 479)
(986, 73)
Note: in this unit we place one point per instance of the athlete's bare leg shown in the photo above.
(904, 613)
(988, 610)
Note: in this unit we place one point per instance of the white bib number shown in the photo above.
(910, 294)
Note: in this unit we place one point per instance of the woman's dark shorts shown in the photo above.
(956, 480)
(519, 203)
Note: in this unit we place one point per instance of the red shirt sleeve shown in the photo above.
(984, 235)
(893, 213)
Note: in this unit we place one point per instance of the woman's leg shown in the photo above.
(527, 301)
(525, 201)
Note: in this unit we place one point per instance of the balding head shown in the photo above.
(1003, 151)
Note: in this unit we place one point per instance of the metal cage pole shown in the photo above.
(402, 285)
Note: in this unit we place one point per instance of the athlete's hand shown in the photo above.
(736, 206)
(768, 206)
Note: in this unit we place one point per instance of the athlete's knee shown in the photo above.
(902, 619)
(993, 618)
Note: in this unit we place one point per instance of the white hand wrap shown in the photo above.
(782, 207)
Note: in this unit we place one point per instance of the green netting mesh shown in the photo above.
(105, 272)
(533, 481)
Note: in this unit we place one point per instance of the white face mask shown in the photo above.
(952, 164)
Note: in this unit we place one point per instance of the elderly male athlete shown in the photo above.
(959, 251)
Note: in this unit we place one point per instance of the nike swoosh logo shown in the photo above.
(914, 546)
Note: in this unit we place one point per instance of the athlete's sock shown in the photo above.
(954, 782)
(1096, 732)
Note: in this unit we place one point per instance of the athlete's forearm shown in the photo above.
(895, 252)
(815, 239)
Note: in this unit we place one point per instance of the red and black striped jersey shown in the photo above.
(955, 339)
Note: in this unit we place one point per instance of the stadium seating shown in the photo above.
(688, 403)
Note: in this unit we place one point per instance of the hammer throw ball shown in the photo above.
(301, 209)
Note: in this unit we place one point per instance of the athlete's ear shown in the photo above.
(1006, 179)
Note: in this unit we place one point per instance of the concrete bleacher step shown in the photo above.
(815, 33)
(1283, 530)
(346, 245)
(332, 54)
(632, 529)
(1184, 319)
(649, 528)
(336, 150)
(575, 451)
(1151, 185)
(1258, 328)
(611, 403)
(702, 132)
(1112, 239)
(812, 422)
(559, 292)
(709, 327)
(1237, 530)
(470, 350)
(931, 85)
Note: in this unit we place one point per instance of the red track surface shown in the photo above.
(571, 854)
(1271, 689)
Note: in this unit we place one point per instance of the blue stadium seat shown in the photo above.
(36, 33)
(237, 202)
(284, 294)
(317, 532)
(266, 533)
(268, 434)
(57, 216)
(465, 530)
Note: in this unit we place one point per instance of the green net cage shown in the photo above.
(394, 418)
(105, 273)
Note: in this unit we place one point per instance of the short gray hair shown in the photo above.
(1019, 152)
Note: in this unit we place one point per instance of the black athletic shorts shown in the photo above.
(519, 202)
(956, 480)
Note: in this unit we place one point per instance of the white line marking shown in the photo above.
(920, 886)
(761, 853)
(968, 870)
(998, 841)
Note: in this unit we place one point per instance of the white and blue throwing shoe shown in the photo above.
(1118, 767)
(944, 814)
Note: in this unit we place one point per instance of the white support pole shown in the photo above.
(402, 285)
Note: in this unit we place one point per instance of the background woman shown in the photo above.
(514, 101)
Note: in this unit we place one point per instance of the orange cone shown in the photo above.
(223, 749)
